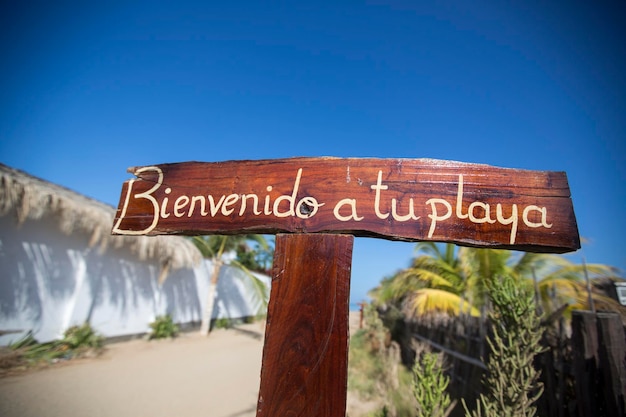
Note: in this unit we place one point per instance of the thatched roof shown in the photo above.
(27, 197)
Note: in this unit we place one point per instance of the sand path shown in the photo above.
(216, 376)
(190, 376)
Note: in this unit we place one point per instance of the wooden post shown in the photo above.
(599, 363)
(586, 362)
(612, 355)
(305, 356)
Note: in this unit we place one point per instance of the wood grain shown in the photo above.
(397, 199)
(305, 356)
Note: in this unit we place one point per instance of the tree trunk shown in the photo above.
(210, 301)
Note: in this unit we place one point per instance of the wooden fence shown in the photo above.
(463, 340)
(583, 369)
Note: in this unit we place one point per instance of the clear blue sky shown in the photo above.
(88, 89)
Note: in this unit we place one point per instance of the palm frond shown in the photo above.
(383, 293)
(446, 270)
(204, 246)
(430, 300)
(435, 280)
(529, 263)
(576, 272)
(259, 240)
(260, 293)
(428, 248)
(401, 284)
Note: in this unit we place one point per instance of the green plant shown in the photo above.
(512, 385)
(163, 327)
(365, 366)
(81, 337)
(14, 355)
(77, 341)
(383, 412)
(375, 373)
(429, 386)
(222, 323)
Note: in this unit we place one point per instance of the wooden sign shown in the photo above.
(398, 199)
(318, 205)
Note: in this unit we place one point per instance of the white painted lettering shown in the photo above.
(215, 207)
(180, 203)
(290, 198)
(244, 198)
(351, 204)
(459, 200)
(267, 210)
(202, 201)
(164, 213)
(434, 217)
(379, 187)
(230, 200)
(402, 209)
(410, 216)
(544, 217)
(307, 207)
(486, 214)
(508, 220)
(145, 195)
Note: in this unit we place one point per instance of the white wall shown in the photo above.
(50, 281)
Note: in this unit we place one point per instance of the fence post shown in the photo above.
(599, 351)
(612, 355)
(586, 362)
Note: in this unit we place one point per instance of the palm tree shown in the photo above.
(214, 247)
(562, 284)
(453, 280)
(436, 281)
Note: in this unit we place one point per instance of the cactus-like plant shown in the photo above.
(511, 382)
(429, 386)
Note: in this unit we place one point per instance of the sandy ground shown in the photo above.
(190, 376)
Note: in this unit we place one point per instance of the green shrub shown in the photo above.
(512, 383)
(374, 370)
(163, 327)
(28, 351)
(383, 412)
(77, 341)
(82, 337)
(223, 323)
(365, 366)
(429, 386)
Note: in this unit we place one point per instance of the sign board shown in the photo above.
(317, 206)
(397, 199)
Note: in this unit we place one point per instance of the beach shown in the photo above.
(189, 376)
